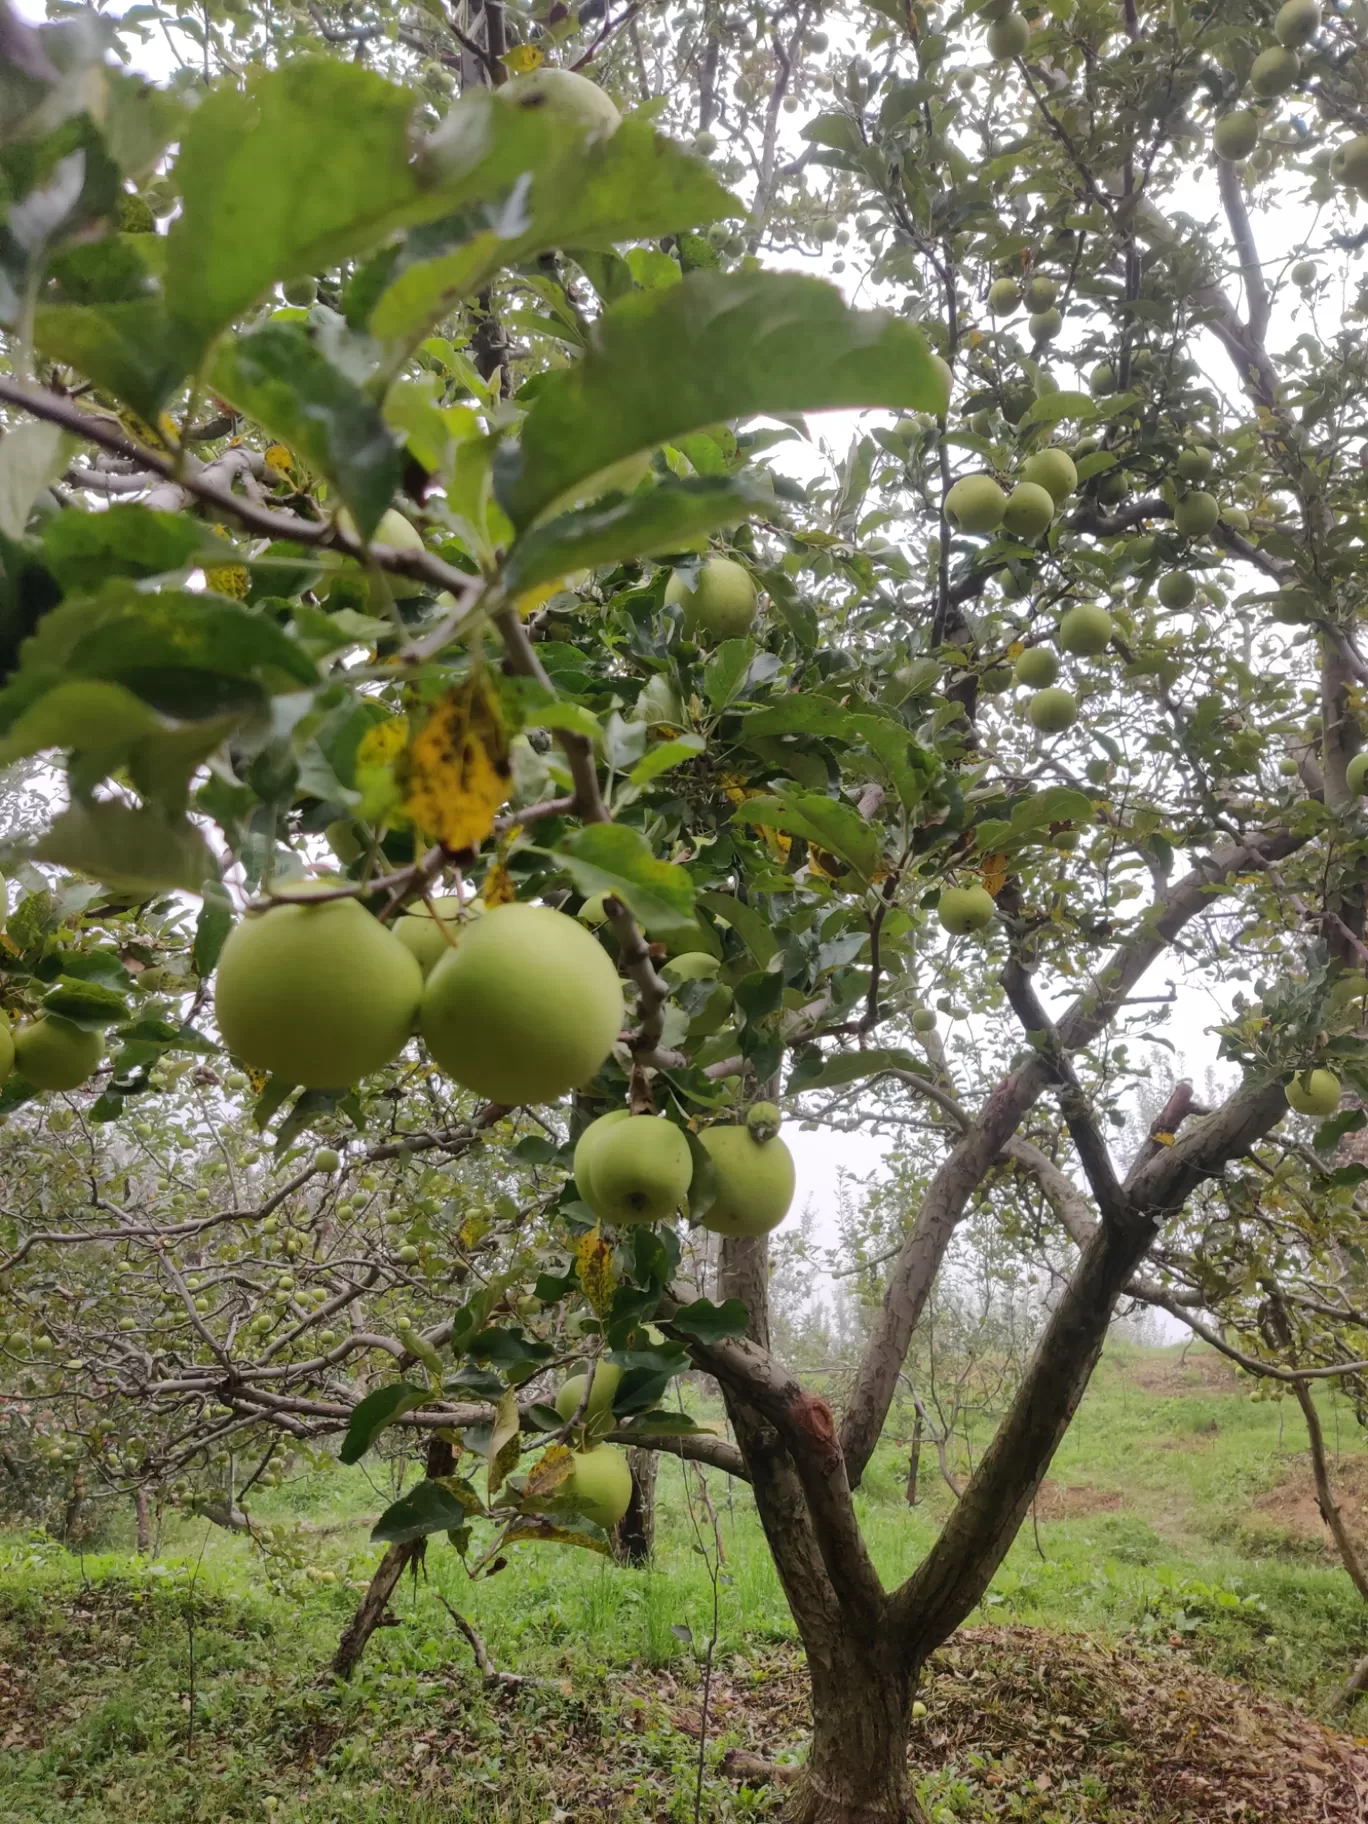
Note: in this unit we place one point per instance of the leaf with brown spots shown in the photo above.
(456, 771)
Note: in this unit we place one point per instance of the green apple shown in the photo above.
(1045, 325)
(1296, 22)
(1041, 292)
(607, 1376)
(1177, 589)
(601, 1484)
(563, 95)
(755, 1182)
(641, 1170)
(1085, 630)
(525, 1009)
(53, 1054)
(1356, 774)
(1102, 379)
(1052, 469)
(963, 910)
(429, 934)
(1036, 668)
(1196, 514)
(1314, 1092)
(1052, 711)
(320, 995)
(1008, 38)
(1274, 71)
(1004, 296)
(719, 599)
(976, 504)
(1029, 511)
(1236, 135)
(398, 534)
(923, 1020)
(1349, 163)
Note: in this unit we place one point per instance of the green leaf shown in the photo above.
(832, 825)
(725, 672)
(31, 456)
(83, 550)
(371, 1415)
(615, 858)
(709, 350)
(131, 851)
(712, 1323)
(1056, 804)
(911, 768)
(854, 1066)
(665, 518)
(279, 377)
(580, 194)
(87, 713)
(305, 166)
(216, 919)
(505, 1445)
(431, 1506)
(132, 350)
(660, 759)
(801, 714)
(89, 1005)
(564, 1530)
(752, 927)
(1055, 407)
(663, 1423)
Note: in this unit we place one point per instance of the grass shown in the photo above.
(1151, 1544)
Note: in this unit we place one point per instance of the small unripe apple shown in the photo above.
(1029, 511)
(1004, 295)
(607, 1377)
(601, 1483)
(1036, 668)
(1314, 1092)
(755, 1182)
(53, 1054)
(719, 599)
(1052, 711)
(1296, 22)
(976, 504)
(963, 910)
(923, 1020)
(641, 1170)
(429, 935)
(1085, 631)
(1356, 774)
(320, 995)
(562, 95)
(1045, 325)
(1236, 135)
(326, 1159)
(1303, 274)
(586, 1149)
(1274, 71)
(1041, 292)
(1052, 469)
(1196, 514)
(1102, 379)
(525, 1009)
(1008, 38)
(1195, 463)
(1177, 589)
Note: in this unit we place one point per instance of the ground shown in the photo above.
(1157, 1650)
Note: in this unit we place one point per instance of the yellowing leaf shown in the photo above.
(554, 1468)
(594, 1261)
(377, 755)
(994, 873)
(231, 579)
(522, 58)
(279, 459)
(456, 772)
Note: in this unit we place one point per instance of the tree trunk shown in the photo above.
(370, 1615)
(144, 1520)
(914, 1462)
(634, 1534)
(857, 1767)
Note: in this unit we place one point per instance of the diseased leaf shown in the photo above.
(436, 1505)
(372, 1414)
(504, 1441)
(712, 349)
(456, 770)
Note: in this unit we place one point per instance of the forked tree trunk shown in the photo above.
(634, 1534)
(857, 1765)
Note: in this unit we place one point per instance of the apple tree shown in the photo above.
(482, 733)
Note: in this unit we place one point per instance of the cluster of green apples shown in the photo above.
(638, 1169)
(1037, 295)
(525, 1007)
(1272, 73)
(976, 503)
(600, 1481)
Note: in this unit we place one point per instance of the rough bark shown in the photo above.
(634, 1534)
(914, 1462)
(1330, 1510)
(857, 1771)
(144, 1522)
